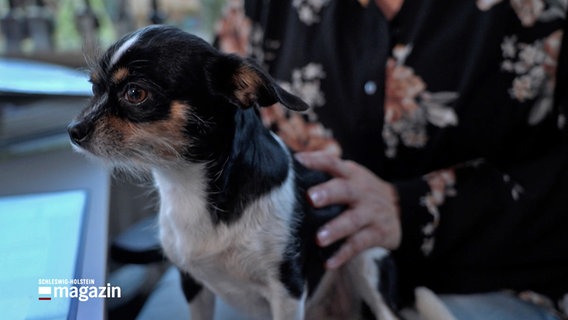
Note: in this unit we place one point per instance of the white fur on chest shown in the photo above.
(235, 261)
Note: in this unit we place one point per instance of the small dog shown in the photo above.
(233, 214)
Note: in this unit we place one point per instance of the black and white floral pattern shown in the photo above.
(309, 10)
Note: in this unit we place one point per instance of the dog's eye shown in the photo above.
(135, 94)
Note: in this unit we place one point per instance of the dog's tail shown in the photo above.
(429, 306)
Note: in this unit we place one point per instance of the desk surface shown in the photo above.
(32, 77)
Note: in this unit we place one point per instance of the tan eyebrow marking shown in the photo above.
(119, 75)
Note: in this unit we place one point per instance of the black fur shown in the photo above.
(190, 287)
(309, 264)
(387, 283)
(252, 164)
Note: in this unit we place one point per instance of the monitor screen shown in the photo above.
(40, 248)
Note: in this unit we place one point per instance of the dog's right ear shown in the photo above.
(245, 84)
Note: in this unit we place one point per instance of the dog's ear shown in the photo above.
(245, 84)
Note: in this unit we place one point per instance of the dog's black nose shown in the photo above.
(78, 131)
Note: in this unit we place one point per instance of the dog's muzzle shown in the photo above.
(79, 132)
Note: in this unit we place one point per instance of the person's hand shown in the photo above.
(372, 215)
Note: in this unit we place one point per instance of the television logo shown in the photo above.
(81, 292)
(44, 293)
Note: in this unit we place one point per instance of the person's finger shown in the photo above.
(324, 161)
(334, 191)
(346, 224)
(354, 245)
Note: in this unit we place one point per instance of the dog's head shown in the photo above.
(160, 95)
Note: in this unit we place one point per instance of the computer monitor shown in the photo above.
(41, 246)
(54, 222)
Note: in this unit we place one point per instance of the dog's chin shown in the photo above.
(132, 165)
(130, 162)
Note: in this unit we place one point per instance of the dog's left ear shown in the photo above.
(245, 84)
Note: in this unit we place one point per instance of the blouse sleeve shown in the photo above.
(419, 201)
(511, 125)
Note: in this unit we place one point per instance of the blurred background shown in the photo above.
(43, 85)
(57, 30)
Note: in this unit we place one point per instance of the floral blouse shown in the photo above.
(460, 104)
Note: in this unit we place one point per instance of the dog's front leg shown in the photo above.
(283, 305)
(365, 275)
(201, 300)
(203, 306)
